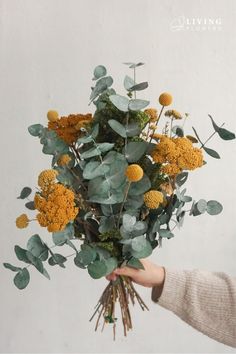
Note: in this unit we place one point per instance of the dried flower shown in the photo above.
(153, 199)
(69, 128)
(63, 160)
(165, 99)
(52, 116)
(134, 173)
(152, 113)
(22, 221)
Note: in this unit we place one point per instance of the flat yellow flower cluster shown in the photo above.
(63, 160)
(55, 203)
(176, 154)
(153, 199)
(68, 128)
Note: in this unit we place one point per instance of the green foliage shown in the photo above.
(57, 259)
(135, 150)
(214, 207)
(211, 152)
(140, 187)
(26, 191)
(37, 247)
(36, 129)
(99, 72)
(61, 237)
(223, 133)
(22, 278)
(137, 104)
(97, 269)
(120, 102)
(135, 263)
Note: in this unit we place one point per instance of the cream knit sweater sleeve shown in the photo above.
(205, 300)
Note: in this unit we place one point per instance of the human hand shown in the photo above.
(152, 275)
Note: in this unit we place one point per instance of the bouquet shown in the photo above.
(114, 188)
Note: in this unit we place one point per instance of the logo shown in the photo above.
(199, 24)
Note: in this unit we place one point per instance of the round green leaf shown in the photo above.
(117, 127)
(120, 102)
(97, 269)
(99, 71)
(25, 193)
(214, 207)
(22, 278)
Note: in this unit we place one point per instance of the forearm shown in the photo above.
(205, 300)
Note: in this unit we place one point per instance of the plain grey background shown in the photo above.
(49, 49)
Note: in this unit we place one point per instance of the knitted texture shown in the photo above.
(205, 300)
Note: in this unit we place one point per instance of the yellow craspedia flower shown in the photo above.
(63, 160)
(165, 99)
(134, 173)
(152, 113)
(46, 178)
(153, 199)
(22, 221)
(52, 116)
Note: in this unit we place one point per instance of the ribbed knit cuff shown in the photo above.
(173, 290)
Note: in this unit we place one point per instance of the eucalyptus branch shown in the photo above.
(202, 145)
(124, 200)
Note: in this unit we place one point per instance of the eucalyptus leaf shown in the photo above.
(137, 104)
(37, 247)
(178, 131)
(26, 191)
(211, 152)
(78, 263)
(35, 261)
(22, 278)
(128, 82)
(214, 207)
(97, 269)
(30, 205)
(11, 267)
(120, 102)
(111, 264)
(165, 233)
(223, 133)
(86, 256)
(57, 259)
(181, 178)
(35, 129)
(61, 237)
(21, 254)
(135, 150)
(139, 87)
(140, 187)
(117, 127)
(135, 263)
(95, 169)
(99, 72)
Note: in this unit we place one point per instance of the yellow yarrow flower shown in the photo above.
(52, 116)
(153, 199)
(165, 99)
(22, 221)
(56, 207)
(46, 178)
(134, 173)
(63, 160)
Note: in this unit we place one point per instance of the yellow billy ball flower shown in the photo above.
(165, 99)
(63, 160)
(22, 221)
(134, 173)
(52, 116)
(153, 198)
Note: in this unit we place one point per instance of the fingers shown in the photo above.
(128, 271)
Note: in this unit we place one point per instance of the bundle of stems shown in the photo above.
(122, 291)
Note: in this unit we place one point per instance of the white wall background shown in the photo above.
(48, 51)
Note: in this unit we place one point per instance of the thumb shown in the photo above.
(128, 271)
